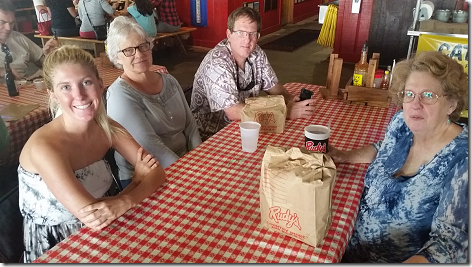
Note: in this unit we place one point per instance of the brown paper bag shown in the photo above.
(295, 193)
(270, 111)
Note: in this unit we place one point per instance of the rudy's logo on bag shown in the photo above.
(269, 111)
(310, 145)
(264, 117)
(276, 215)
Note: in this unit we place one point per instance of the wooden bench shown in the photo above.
(176, 35)
(84, 43)
(99, 46)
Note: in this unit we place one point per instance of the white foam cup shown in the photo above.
(249, 135)
(39, 83)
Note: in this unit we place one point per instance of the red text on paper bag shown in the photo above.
(269, 111)
(276, 214)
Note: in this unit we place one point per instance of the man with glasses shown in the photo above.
(23, 50)
(237, 68)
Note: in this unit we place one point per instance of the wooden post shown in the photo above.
(331, 90)
(373, 63)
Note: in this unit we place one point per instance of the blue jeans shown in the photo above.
(166, 27)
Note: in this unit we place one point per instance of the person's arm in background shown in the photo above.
(124, 108)
(448, 240)
(125, 11)
(42, 7)
(72, 11)
(109, 9)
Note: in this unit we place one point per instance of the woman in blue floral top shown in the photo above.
(414, 207)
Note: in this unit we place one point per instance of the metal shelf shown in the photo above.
(418, 33)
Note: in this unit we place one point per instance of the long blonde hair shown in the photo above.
(71, 54)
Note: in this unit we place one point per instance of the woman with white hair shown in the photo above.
(150, 105)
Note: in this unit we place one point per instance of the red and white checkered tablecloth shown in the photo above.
(23, 128)
(20, 130)
(208, 210)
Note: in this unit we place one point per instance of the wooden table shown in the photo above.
(208, 210)
(23, 128)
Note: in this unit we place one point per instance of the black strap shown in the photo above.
(86, 13)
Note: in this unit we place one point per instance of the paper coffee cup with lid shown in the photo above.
(316, 138)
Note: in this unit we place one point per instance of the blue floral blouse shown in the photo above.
(425, 214)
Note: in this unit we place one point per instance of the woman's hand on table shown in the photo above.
(364, 154)
(337, 155)
(102, 213)
(145, 162)
(300, 109)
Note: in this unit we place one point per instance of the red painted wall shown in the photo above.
(352, 30)
(305, 10)
(217, 18)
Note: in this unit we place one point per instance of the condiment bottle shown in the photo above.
(385, 80)
(361, 68)
(9, 77)
(378, 79)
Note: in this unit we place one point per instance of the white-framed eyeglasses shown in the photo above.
(251, 35)
(426, 97)
(131, 51)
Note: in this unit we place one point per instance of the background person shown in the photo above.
(150, 105)
(38, 6)
(414, 207)
(97, 11)
(237, 68)
(22, 49)
(63, 15)
(63, 178)
(143, 12)
(168, 19)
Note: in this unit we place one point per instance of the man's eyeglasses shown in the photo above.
(251, 35)
(428, 98)
(131, 51)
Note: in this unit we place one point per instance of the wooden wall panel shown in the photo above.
(390, 22)
(352, 30)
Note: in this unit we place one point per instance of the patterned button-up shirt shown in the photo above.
(166, 11)
(425, 214)
(214, 86)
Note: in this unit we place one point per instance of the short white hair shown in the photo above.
(120, 29)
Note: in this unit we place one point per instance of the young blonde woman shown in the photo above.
(63, 178)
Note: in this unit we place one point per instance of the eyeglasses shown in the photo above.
(131, 51)
(251, 35)
(428, 98)
(251, 84)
